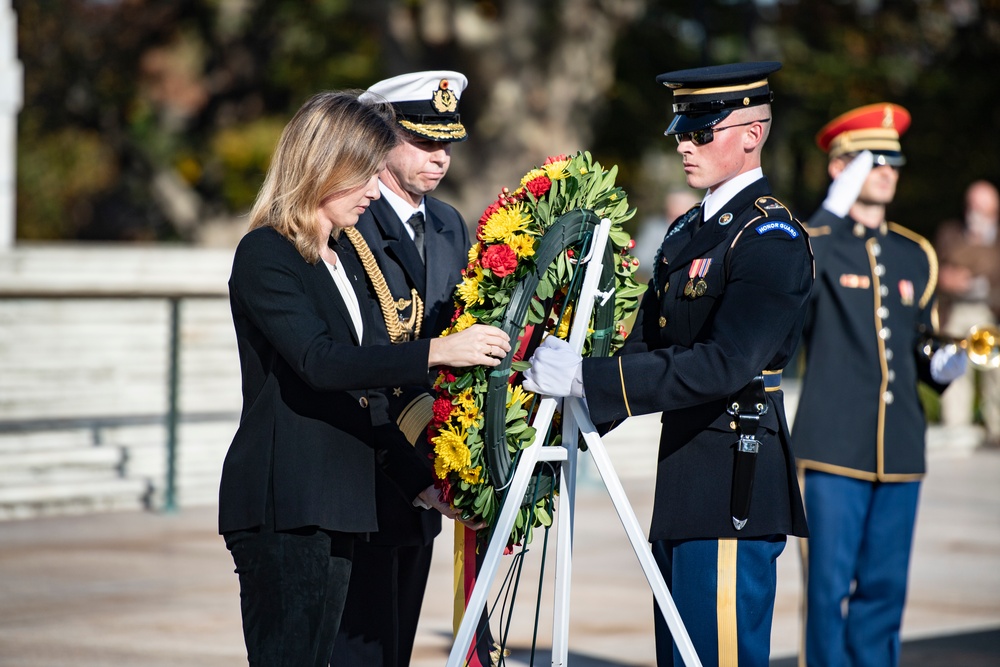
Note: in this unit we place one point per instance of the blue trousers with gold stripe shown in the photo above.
(724, 591)
(860, 538)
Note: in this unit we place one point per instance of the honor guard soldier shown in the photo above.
(414, 248)
(859, 428)
(720, 320)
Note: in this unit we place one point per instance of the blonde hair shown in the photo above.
(334, 143)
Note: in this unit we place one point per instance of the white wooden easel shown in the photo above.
(576, 422)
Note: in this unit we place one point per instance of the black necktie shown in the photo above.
(416, 221)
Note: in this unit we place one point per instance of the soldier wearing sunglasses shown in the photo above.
(720, 320)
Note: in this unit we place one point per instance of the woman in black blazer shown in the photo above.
(298, 480)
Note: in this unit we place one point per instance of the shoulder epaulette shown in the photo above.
(822, 230)
(772, 208)
(932, 260)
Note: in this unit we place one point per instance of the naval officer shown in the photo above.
(720, 320)
(413, 247)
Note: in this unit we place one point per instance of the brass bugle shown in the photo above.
(982, 345)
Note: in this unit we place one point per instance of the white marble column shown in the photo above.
(11, 95)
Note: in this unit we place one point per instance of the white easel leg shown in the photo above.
(564, 543)
(508, 513)
(631, 524)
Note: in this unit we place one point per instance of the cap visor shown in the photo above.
(445, 132)
(683, 123)
(890, 158)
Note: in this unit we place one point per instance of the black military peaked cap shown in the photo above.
(703, 96)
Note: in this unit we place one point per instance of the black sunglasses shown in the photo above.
(706, 136)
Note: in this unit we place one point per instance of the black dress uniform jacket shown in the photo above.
(312, 429)
(859, 414)
(446, 246)
(686, 356)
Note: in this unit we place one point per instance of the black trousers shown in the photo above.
(383, 606)
(292, 591)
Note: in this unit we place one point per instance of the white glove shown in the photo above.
(846, 187)
(948, 364)
(556, 370)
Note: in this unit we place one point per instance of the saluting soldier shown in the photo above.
(717, 325)
(414, 248)
(859, 428)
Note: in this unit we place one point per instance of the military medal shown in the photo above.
(696, 288)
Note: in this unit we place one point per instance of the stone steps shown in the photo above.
(30, 501)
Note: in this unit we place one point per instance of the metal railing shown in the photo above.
(171, 418)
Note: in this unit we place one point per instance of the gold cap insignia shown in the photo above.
(444, 100)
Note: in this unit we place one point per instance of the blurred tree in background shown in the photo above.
(155, 119)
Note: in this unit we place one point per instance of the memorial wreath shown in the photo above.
(522, 276)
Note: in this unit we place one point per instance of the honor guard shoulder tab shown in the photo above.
(775, 218)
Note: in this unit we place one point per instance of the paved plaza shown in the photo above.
(129, 589)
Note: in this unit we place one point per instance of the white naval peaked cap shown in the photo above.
(426, 103)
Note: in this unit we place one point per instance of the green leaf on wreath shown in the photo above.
(515, 429)
(545, 289)
(543, 516)
(536, 312)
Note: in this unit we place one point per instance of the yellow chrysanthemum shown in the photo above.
(506, 222)
(464, 321)
(451, 452)
(468, 289)
(441, 469)
(567, 318)
(468, 418)
(472, 475)
(466, 409)
(522, 245)
(557, 170)
(474, 251)
(467, 400)
(516, 394)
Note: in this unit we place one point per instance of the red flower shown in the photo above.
(442, 410)
(554, 158)
(538, 186)
(447, 493)
(490, 210)
(500, 259)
